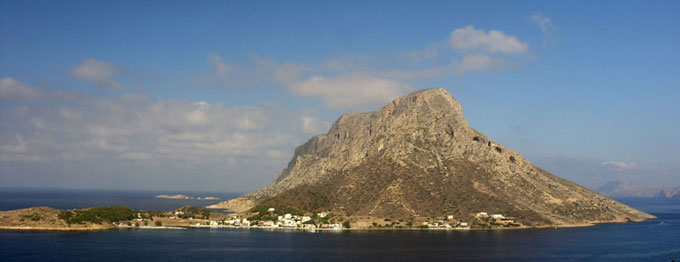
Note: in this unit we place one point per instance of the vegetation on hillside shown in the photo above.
(98, 215)
(32, 217)
(296, 202)
(193, 212)
(263, 213)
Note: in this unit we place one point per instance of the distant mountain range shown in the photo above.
(638, 189)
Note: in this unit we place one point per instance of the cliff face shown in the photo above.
(417, 156)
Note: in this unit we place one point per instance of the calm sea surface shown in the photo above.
(655, 240)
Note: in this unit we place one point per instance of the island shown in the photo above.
(103, 218)
(174, 197)
(415, 163)
(118, 217)
(185, 197)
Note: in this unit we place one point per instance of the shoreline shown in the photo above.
(30, 228)
(592, 224)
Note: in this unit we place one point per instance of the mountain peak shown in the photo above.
(417, 156)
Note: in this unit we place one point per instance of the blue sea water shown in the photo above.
(654, 240)
(12, 198)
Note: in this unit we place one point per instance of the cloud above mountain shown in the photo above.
(470, 39)
(361, 82)
(134, 133)
(350, 91)
(97, 72)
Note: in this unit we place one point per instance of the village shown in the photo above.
(191, 217)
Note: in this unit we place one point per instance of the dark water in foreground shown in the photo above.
(655, 240)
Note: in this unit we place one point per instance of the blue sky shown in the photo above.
(215, 95)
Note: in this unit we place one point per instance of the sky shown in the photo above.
(215, 95)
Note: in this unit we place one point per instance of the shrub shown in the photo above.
(98, 215)
(191, 211)
(33, 217)
(158, 223)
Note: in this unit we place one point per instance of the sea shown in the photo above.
(653, 240)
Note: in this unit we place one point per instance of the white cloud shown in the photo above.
(352, 82)
(17, 151)
(312, 125)
(431, 51)
(477, 62)
(547, 28)
(350, 91)
(133, 132)
(470, 50)
(97, 72)
(136, 155)
(221, 68)
(620, 164)
(258, 71)
(20, 147)
(280, 73)
(469, 39)
(11, 89)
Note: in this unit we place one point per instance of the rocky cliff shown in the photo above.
(418, 157)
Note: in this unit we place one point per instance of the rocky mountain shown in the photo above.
(418, 157)
(638, 189)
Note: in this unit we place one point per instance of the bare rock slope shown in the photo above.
(417, 156)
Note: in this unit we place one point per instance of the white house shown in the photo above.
(287, 216)
(321, 215)
(305, 219)
(271, 209)
(482, 214)
(463, 224)
(289, 223)
(497, 216)
(449, 217)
